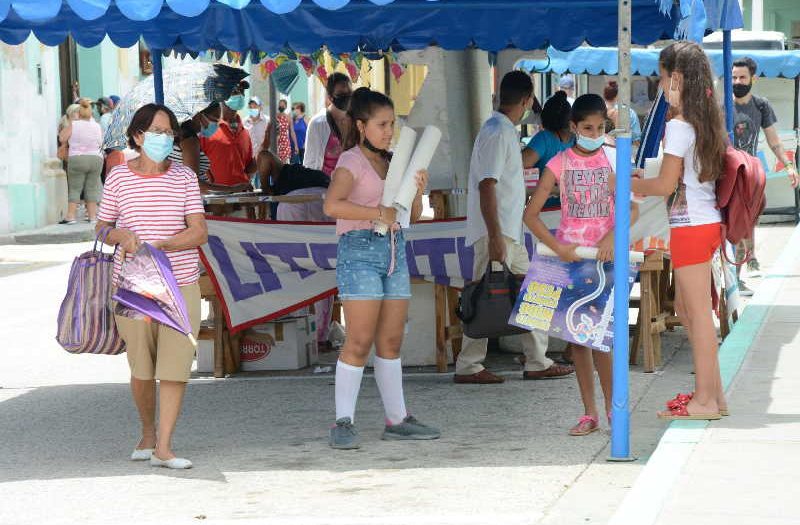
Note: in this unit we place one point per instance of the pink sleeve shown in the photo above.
(350, 161)
(555, 166)
(109, 210)
(193, 203)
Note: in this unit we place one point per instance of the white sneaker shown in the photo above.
(141, 454)
(174, 463)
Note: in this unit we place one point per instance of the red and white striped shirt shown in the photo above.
(154, 207)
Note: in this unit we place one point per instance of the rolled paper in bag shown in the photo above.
(397, 168)
(420, 160)
(584, 252)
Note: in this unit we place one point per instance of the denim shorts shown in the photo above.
(362, 267)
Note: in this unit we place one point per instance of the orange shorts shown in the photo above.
(694, 244)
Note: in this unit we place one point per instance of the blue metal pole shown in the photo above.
(158, 75)
(620, 417)
(727, 65)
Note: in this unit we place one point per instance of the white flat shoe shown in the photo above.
(174, 463)
(141, 454)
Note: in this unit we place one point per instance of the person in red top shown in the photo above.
(229, 149)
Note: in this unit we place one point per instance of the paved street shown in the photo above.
(259, 444)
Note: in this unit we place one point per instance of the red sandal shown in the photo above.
(680, 400)
(683, 400)
(681, 413)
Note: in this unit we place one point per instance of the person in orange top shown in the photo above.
(229, 149)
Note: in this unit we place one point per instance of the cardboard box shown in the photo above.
(284, 344)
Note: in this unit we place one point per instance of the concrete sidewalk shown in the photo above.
(259, 443)
(52, 234)
(742, 469)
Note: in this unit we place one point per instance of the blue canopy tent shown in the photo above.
(348, 25)
(603, 61)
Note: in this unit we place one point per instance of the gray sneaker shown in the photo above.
(744, 291)
(344, 435)
(410, 428)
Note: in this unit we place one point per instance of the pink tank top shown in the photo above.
(333, 149)
(367, 187)
(86, 138)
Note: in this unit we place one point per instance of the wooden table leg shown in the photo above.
(659, 325)
(455, 322)
(440, 298)
(219, 339)
(633, 357)
(646, 311)
(231, 360)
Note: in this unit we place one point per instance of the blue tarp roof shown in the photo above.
(598, 61)
(342, 25)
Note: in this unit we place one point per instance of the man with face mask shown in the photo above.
(752, 114)
(227, 143)
(256, 123)
(496, 202)
(327, 130)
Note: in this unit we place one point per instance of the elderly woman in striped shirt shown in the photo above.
(152, 199)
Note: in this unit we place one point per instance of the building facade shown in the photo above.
(32, 99)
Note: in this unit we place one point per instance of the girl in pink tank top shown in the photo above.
(371, 271)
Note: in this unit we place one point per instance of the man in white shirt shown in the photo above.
(327, 130)
(256, 124)
(496, 202)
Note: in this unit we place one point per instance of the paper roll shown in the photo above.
(420, 160)
(397, 169)
(584, 252)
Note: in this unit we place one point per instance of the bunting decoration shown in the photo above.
(321, 63)
(396, 68)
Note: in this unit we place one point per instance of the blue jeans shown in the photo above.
(362, 267)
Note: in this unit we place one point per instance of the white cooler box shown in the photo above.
(284, 344)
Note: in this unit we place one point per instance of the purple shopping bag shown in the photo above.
(86, 318)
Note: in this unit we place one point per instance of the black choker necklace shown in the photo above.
(382, 152)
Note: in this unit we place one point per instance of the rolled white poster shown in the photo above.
(584, 252)
(397, 169)
(420, 160)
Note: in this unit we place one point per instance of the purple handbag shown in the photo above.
(86, 318)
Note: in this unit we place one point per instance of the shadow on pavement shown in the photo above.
(263, 425)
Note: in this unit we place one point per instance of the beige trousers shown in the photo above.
(473, 353)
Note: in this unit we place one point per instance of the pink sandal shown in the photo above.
(586, 425)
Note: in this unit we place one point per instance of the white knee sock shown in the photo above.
(389, 376)
(348, 383)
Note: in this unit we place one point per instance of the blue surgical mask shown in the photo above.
(236, 102)
(209, 130)
(157, 146)
(590, 144)
(254, 112)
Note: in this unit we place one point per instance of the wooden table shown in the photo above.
(255, 204)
